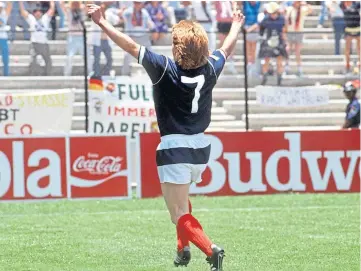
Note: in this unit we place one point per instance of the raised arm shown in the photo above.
(63, 6)
(9, 6)
(121, 39)
(51, 10)
(231, 40)
(23, 11)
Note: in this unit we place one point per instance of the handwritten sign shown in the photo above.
(36, 112)
(293, 96)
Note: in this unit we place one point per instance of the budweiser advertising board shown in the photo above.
(247, 163)
(33, 168)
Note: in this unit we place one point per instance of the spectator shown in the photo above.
(351, 12)
(170, 7)
(203, 14)
(224, 21)
(124, 4)
(75, 44)
(61, 14)
(295, 17)
(15, 19)
(274, 43)
(180, 9)
(284, 5)
(353, 108)
(251, 10)
(5, 10)
(101, 43)
(338, 22)
(159, 16)
(39, 25)
(45, 6)
(137, 23)
(58, 11)
(323, 15)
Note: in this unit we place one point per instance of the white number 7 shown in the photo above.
(199, 80)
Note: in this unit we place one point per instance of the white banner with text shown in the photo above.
(36, 112)
(293, 96)
(121, 105)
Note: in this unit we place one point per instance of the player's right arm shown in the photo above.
(231, 40)
(154, 64)
(121, 39)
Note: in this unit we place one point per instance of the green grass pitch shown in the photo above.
(278, 232)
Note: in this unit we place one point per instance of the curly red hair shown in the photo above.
(190, 44)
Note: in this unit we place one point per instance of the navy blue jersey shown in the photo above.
(182, 98)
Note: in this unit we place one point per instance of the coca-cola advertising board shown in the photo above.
(98, 167)
(247, 163)
(39, 168)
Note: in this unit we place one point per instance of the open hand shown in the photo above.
(238, 16)
(96, 13)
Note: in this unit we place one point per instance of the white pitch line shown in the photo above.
(147, 211)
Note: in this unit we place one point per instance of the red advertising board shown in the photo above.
(37, 168)
(98, 167)
(32, 168)
(268, 162)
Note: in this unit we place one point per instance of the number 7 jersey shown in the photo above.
(182, 98)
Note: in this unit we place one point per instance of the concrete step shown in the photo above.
(228, 94)
(258, 121)
(234, 124)
(312, 22)
(308, 68)
(216, 120)
(311, 32)
(310, 47)
(225, 81)
(41, 82)
(237, 108)
(119, 58)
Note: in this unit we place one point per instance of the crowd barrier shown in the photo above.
(243, 163)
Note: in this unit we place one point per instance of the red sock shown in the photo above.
(182, 240)
(193, 230)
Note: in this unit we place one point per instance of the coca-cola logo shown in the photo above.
(96, 165)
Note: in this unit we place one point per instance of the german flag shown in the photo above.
(96, 83)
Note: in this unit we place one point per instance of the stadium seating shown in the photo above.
(320, 66)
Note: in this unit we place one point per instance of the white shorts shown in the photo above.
(181, 159)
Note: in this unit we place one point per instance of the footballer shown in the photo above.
(183, 102)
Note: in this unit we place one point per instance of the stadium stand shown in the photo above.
(320, 66)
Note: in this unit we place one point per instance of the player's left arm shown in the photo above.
(121, 39)
(231, 40)
(218, 58)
